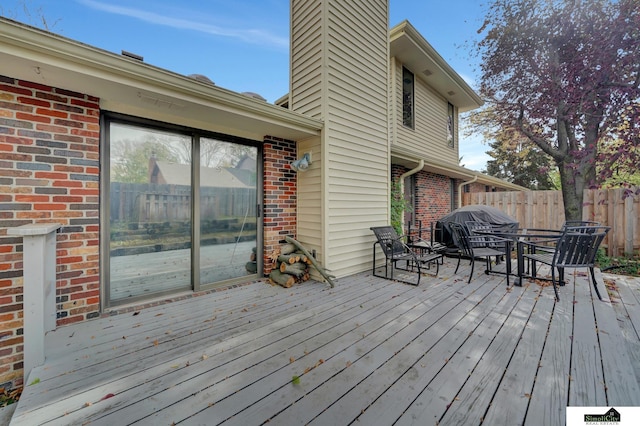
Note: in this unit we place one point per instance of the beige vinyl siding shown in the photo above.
(307, 57)
(429, 138)
(356, 123)
(309, 198)
(340, 57)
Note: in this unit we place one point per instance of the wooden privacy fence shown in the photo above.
(545, 209)
(159, 203)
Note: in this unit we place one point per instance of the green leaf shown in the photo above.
(295, 380)
(35, 381)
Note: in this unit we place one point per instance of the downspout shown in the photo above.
(405, 175)
(475, 178)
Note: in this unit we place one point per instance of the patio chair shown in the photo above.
(478, 247)
(576, 248)
(416, 241)
(397, 251)
(548, 245)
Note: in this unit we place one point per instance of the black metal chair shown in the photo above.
(416, 241)
(576, 248)
(479, 246)
(397, 251)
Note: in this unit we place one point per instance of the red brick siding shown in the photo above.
(432, 197)
(49, 172)
(280, 195)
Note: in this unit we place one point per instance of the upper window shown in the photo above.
(451, 128)
(407, 98)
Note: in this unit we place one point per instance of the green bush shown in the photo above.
(625, 265)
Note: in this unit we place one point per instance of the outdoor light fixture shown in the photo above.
(303, 163)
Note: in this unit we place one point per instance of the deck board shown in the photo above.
(385, 405)
(586, 386)
(516, 386)
(369, 351)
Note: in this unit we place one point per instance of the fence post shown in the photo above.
(39, 288)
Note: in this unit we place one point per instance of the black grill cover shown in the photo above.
(474, 212)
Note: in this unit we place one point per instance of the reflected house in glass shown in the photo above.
(67, 109)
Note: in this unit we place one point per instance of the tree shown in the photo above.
(514, 158)
(618, 170)
(519, 162)
(565, 74)
(131, 164)
(27, 13)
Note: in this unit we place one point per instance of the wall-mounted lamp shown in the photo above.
(303, 163)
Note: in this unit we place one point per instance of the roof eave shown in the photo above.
(398, 156)
(411, 48)
(35, 55)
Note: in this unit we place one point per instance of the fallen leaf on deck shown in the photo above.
(155, 342)
(136, 313)
(295, 380)
(107, 396)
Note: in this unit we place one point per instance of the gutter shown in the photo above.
(475, 178)
(405, 175)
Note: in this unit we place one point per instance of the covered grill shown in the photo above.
(476, 212)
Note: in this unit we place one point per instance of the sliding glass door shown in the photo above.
(182, 211)
(227, 210)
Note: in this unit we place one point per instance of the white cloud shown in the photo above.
(250, 35)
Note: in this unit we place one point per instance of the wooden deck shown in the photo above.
(368, 352)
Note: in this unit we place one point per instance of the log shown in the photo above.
(287, 248)
(327, 276)
(296, 269)
(289, 258)
(281, 279)
(252, 257)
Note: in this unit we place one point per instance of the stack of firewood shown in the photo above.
(290, 266)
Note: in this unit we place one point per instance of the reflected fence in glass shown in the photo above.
(150, 212)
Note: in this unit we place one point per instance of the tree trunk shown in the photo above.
(289, 258)
(287, 248)
(575, 178)
(571, 193)
(281, 279)
(297, 269)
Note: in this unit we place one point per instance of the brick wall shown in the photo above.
(432, 195)
(280, 188)
(49, 172)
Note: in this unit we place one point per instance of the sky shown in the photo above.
(241, 45)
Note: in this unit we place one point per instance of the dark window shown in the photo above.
(451, 128)
(407, 98)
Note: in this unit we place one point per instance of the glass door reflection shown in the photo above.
(150, 212)
(228, 199)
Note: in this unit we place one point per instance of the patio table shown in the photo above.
(519, 235)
